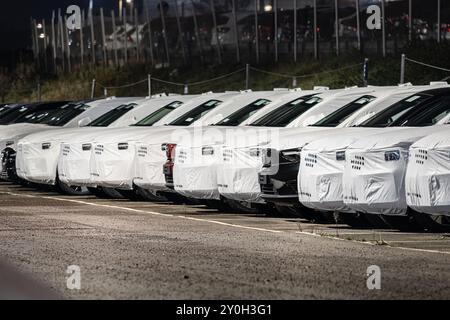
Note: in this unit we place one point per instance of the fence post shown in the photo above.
(186, 89)
(247, 76)
(366, 72)
(93, 89)
(39, 91)
(149, 82)
(105, 92)
(294, 82)
(402, 69)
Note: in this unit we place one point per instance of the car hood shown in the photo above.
(341, 138)
(439, 140)
(400, 138)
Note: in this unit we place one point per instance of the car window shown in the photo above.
(195, 114)
(433, 113)
(337, 117)
(243, 114)
(63, 115)
(154, 117)
(111, 116)
(282, 116)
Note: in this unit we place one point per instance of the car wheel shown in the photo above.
(70, 190)
(376, 221)
(148, 196)
(353, 219)
(432, 223)
(402, 223)
(104, 193)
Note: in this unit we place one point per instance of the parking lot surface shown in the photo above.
(145, 250)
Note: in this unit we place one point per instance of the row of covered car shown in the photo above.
(370, 157)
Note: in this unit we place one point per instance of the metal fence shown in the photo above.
(189, 32)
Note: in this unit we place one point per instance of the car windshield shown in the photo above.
(195, 114)
(390, 115)
(337, 117)
(63, 115)
(243, 114)
(154, 117)
(111, 116)
(4, 109)
(283, 115)
(430, 115)
(31, 113)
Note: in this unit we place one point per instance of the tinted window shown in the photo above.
(283, 115)
(195, 114)
(63, 115)
(9, 117)
(396, 111)
(111, 116)
(431, 114)
(337, 117)
(243, 114)
(151, 119)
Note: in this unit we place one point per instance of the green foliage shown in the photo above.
(21, 85)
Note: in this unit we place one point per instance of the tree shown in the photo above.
(5, 84)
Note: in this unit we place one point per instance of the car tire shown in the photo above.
(353, 219)
(402, 223)
(70, 190)
(376, 221)
(104, 193)
(148, 196)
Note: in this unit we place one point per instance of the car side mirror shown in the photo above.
(84, 122)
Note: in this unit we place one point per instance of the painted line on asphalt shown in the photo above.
(145, 212)
(220, 223)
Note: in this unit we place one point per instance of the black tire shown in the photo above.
(105, 193)
(70, 190)
(438, 223)
(98, 192)
(241, 206)
(148, 196)
(288, 212)
(130, 195)
(376, 221)
(219, 205)
(353, 219)
(402, 223)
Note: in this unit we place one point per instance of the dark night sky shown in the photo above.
(15, 17)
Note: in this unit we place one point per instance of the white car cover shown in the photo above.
(150, 157)
(427, 179)
(238, 179)
(114, 161)
(237, 173)
(37, 152)
(322, 162)
(375, 168)
(319, 180)
(195, 169)
(76, 150)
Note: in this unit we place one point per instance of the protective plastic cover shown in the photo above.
(322, 163)
(375, 168)
(237, 174)
(427, 179)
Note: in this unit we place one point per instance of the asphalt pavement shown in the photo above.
(145, 250)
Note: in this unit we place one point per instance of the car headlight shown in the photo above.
(291, 155)
(393, 155)
(340, 156)
(207, 151)
(46, 145)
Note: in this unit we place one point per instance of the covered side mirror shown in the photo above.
(84, 122)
